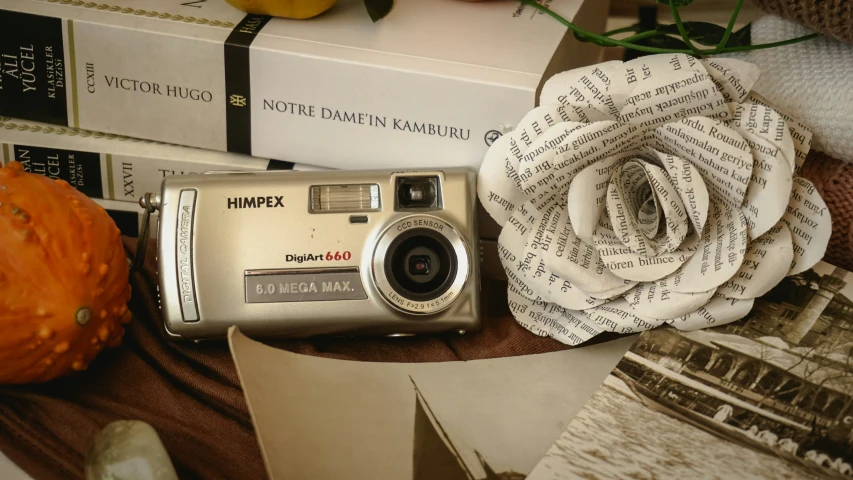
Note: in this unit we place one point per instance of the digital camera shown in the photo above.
(294, 254)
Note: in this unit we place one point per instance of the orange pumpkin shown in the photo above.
(63, 278)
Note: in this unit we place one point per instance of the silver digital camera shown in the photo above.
(293, 254)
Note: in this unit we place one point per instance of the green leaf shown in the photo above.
(741, 37)
(703, 33)
(678, 3)
(377, 9)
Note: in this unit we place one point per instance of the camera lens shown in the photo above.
(420, 264)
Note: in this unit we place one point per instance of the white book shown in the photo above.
(430, 85)
(112, 167)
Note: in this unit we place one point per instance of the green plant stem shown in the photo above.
(629, 28)
(640, 36)
(730, 26)
(681, 29)
(609, 42)
(604, 41)
(746, 48)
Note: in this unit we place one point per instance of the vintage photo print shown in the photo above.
(489, 419)
(769, 396)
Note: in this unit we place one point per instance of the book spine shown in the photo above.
(116, 177)
(232, 88)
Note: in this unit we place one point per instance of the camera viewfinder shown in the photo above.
(418, 193)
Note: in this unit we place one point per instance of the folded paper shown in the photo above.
(659, 190)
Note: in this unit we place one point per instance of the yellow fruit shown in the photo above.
(298, 9)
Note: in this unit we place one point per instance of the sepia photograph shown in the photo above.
(768, 396)
(486, 419)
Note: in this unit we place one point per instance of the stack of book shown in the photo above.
(113, 96)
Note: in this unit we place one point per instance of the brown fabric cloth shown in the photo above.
(829, 17)
(191, 394)
(833, 178)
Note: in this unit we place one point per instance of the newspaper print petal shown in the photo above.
(578, 262)
(657, 300)
(511, 244)
(675, 216)
(617, 316)
(585, 199)
(689, 93)
(627, 191)
(550, 286)
(614, 292)
(624, 263)
(495, 188)
(540, 156)
(560, 291)
(717, 312)
(767, 261)
(583, 91)
(549, 176)
(809, 220)
(733, 78)
(719, 255)
(801, 133)
(755, 121)
(649, 216)
(769, 188)
(721, 155)
(549, 320)
(689, 185)
(632, 77)
(498, 184)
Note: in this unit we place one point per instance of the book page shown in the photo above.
(667, 182)
(720, 153)
(720, 310)
(767, 261)
(579, 262)
(499, 197)
(558, 290)
(584, 91)
(511, 244)
(551, 320)
(733, 78)
(807, 216)
(719, 254)
(658, 89)
(625, 263)
(617, 316)
(659, 300)
(800, 133)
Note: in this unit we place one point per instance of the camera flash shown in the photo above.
(344, 198)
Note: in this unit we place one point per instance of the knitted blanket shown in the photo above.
(811, 81)
(830, 17)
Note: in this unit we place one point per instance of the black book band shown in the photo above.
(238, 104)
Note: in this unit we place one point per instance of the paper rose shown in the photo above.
(659, 190)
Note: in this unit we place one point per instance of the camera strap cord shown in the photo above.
(149, 202)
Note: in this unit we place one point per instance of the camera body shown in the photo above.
(293, 254)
